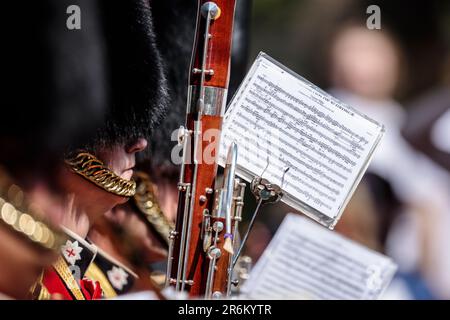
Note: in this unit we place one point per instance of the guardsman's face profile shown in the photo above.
(92, 200)
(121, 158)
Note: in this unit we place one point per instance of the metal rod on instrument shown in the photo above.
(184, 139)
(189, 211)
(213, 254)
(212, 265)
(184, 135)
(239, 203)
(205, 53)
(170, 257)
(229, 184)
(244, 240)
(183, 240)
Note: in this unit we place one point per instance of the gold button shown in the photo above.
(51, 240)
(37, 234)
(148, 204)
(9, 214)
(15, 195)
(27, 224)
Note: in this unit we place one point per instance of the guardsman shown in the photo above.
(39, 53)
(97, 175)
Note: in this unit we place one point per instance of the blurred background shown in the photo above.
(400, 76)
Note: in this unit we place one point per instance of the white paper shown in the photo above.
(326, 144)
(306, 261)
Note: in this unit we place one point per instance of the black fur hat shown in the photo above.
(174, 22)
(137, 81)
(53, 78)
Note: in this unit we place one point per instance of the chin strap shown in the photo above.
(147, 203)
(94, 170)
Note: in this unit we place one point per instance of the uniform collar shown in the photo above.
(78, 253)
(111, 274)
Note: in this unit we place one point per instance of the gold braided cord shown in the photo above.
(67, 277)
(96, 274)
(38, 291)
(94, 170)
(147, 203)
(44, 294)
(21, 218)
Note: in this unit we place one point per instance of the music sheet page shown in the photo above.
(279, 121)
(307, 261)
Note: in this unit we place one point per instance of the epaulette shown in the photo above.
(114, 277)
(66, 277)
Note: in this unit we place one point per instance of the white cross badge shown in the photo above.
(118, 277)
(71, 251)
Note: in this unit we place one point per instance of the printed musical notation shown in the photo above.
(306, 261)
(279, 120)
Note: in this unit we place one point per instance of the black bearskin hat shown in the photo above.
(241, 45)
(53, 80)
(136, 79)
(174, 38)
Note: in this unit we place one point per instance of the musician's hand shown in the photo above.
(138, 232)
(74, 218)
(59, 209)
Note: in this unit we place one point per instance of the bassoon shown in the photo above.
(201, 246)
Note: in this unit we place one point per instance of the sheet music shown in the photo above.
(326, 144)
(306, 261)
